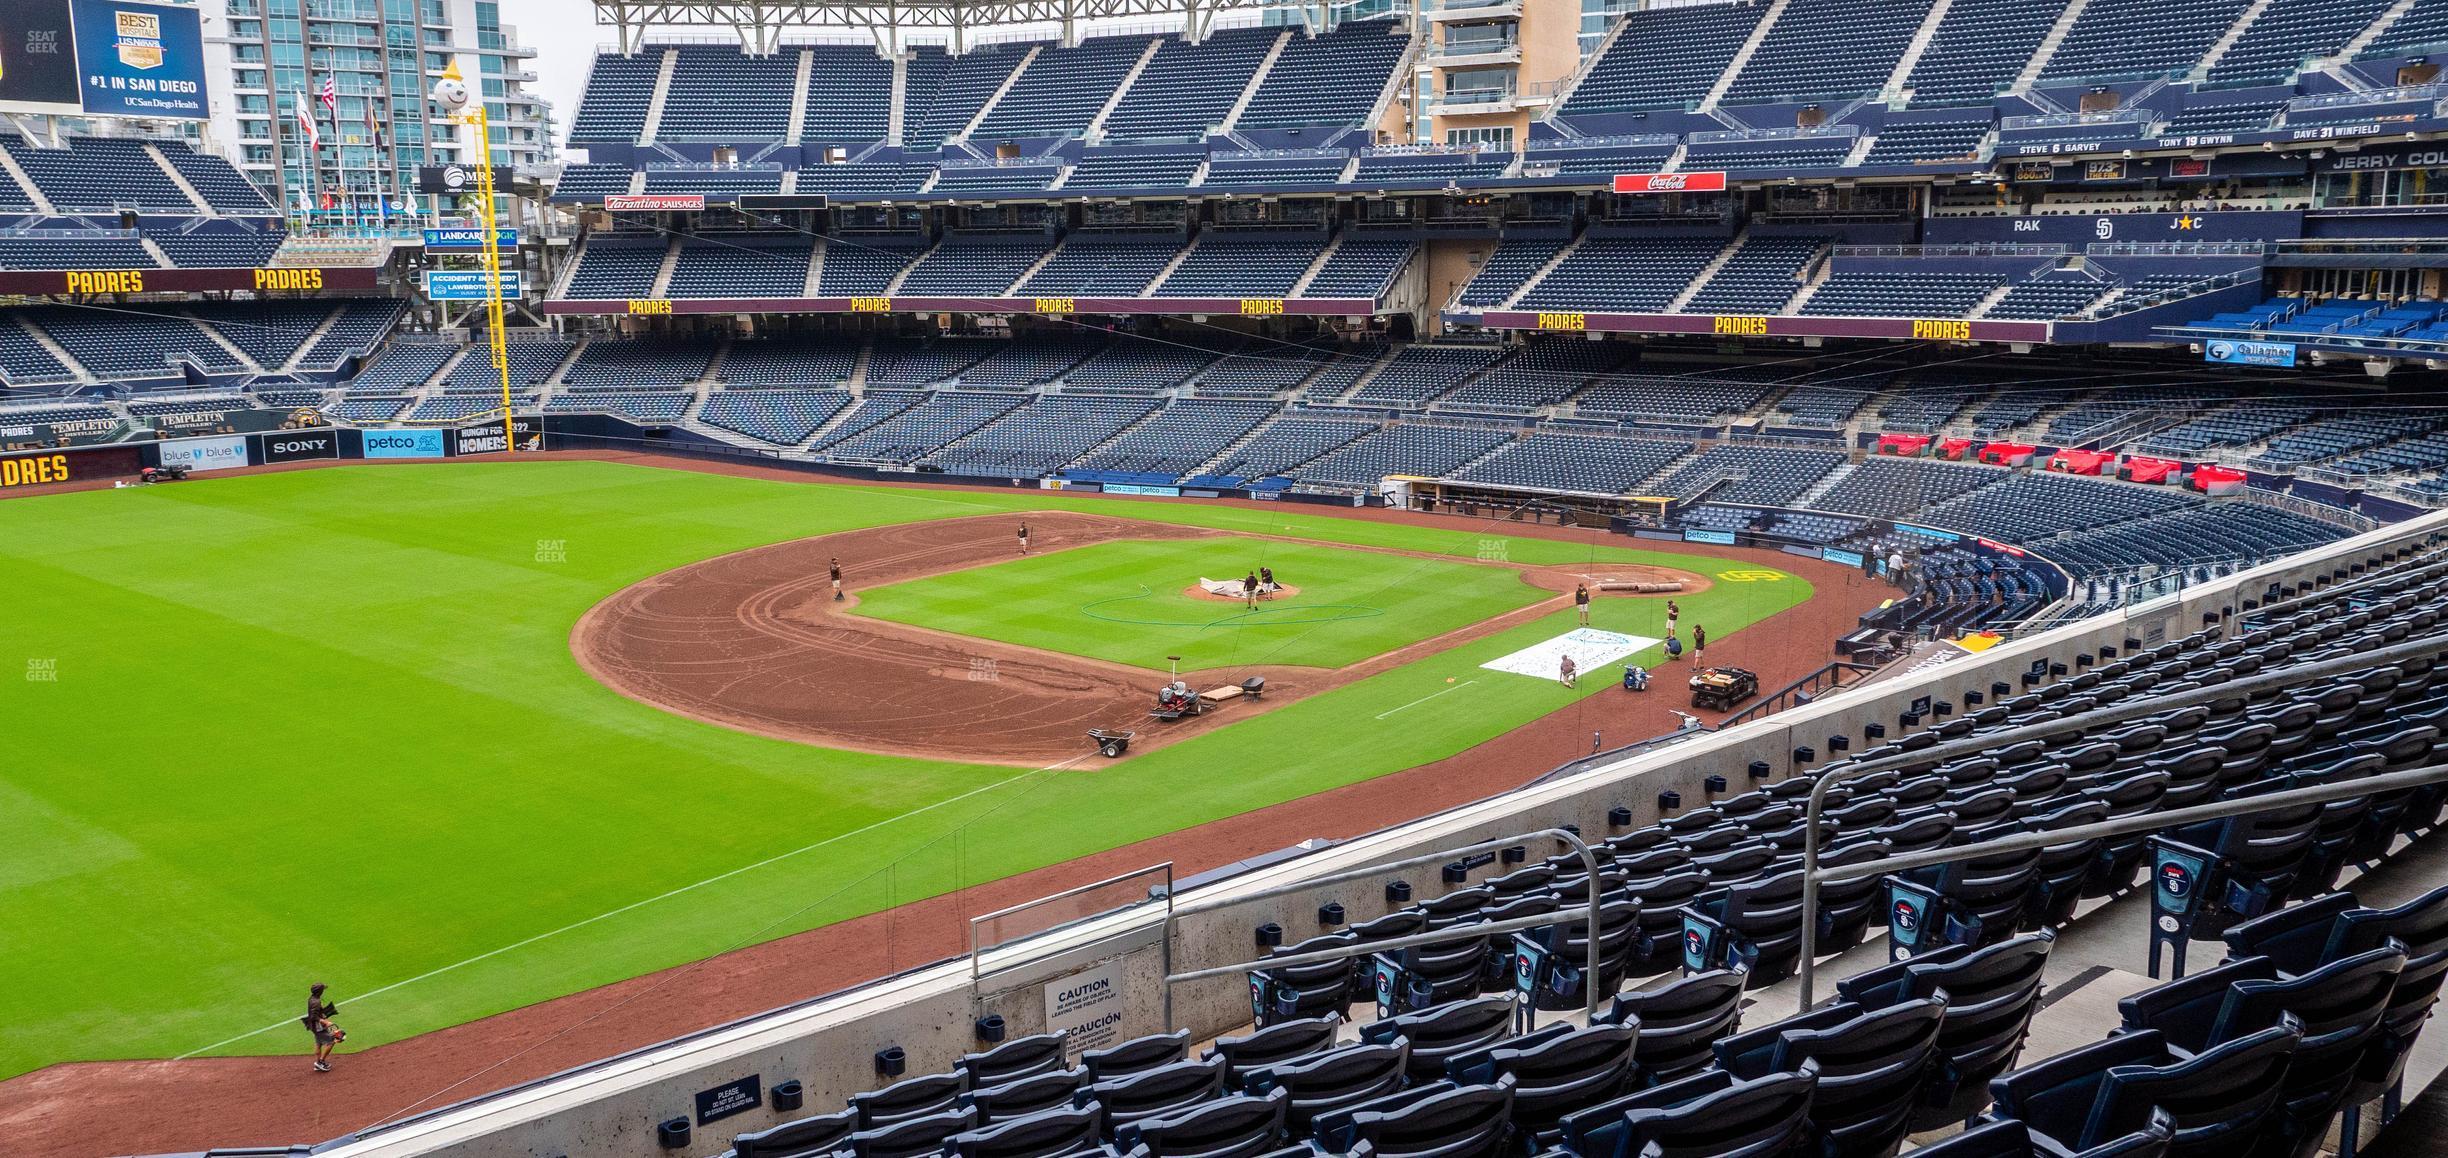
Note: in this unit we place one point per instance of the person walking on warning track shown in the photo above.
(1024, 536)
(1566, 673)
(1673, 613)
(837, 587)
(318, 1021)
(1581, 602)
(1699, 642)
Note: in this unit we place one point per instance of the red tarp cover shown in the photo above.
(2143, 469)
(1903, 444)
(1955, 448)
(2008, 453)
(2081, 461)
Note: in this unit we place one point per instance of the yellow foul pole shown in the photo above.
(496, 313)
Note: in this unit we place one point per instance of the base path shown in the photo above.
(85, 1109)
(754, 640)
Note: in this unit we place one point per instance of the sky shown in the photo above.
(564, 35)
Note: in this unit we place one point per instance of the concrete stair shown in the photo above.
(654, 106)
(1742, 56)
(1894, 89)
(2235, 32)
(1707, 272)
(2047, 51)
(1257, 77)
(987, 107)
(1096, 125)
(204, 208)
(1539, 274)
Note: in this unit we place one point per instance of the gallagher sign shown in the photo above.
(1710, 181)
(2236, 353)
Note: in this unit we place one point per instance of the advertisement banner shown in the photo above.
(455, 179)
(469, 240)
(2237, 353)
(487, 438)
(38, 72)
(1703, 535)
(220, 453)
(468, 285)
(403, 444)
(297, 445)
(1845, 558)
(1138, 489)
(138, 281)
(34, 470)
(139, 60)
(655, 203)
(1706, 181)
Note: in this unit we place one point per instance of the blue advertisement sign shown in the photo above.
(1848, 558)
(139, 60)
(403, 444)
(1137, 489)
(469, 239)
(468, 285)
(2237, 353)
(1698, 535)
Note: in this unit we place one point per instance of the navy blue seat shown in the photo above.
(1991, 995)
(1023, 1096)
(1237, 1127)
(1440, 1120)
(2218, 1100)
(1046, 1134)
(1156, 1093)
(811, 1137)
(1679, 1021)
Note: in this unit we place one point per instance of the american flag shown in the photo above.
(331, 94)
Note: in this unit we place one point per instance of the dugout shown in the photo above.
(1525, 504)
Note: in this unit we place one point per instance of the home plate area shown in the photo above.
(1589, 647)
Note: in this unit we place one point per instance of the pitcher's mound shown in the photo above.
(1282, 591)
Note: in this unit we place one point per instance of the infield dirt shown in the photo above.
(755, 641)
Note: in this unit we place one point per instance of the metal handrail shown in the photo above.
(1589, 862)
(2144, 822)
(2111, 714)
(1165, 867)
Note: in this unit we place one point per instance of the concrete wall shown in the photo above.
(610, 1110)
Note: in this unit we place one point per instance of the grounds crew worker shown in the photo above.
(837, 588)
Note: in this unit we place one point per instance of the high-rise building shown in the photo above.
(270, 58)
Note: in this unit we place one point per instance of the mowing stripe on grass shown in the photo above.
(286, 1022)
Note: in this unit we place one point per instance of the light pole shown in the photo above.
(451, 93)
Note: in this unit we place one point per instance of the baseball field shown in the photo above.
(458, 738)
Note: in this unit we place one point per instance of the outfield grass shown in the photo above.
(325, 725)
(1123, 601)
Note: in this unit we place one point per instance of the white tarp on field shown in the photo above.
(1229, 588)
(1590, 648)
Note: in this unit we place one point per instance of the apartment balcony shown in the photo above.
(1474, 102)
(1470, 54)
(1475, 10)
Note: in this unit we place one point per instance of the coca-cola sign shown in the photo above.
(1712, 181)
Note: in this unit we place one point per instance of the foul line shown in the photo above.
(285, 1022)
(1417, 702)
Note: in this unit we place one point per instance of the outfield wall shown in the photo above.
(828, 1044)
